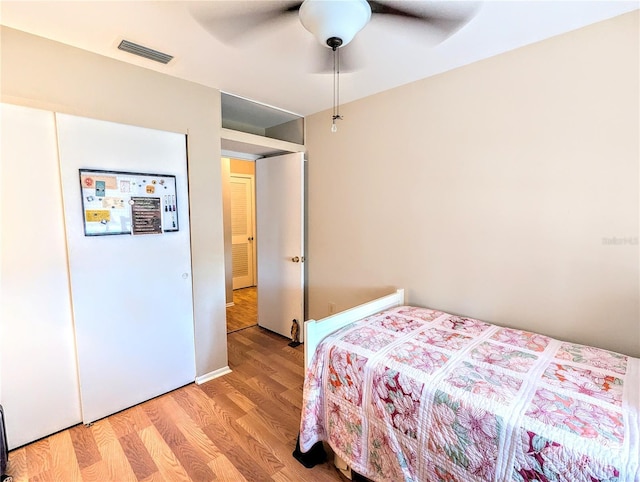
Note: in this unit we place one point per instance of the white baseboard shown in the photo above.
(211, 375)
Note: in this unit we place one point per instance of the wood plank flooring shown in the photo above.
(241, 426)
(244, 312)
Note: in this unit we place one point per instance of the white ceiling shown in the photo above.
(275, 64)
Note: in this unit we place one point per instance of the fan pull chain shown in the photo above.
(336, 90)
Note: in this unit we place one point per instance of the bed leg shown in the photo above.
(342, 466)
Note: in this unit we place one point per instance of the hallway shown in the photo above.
(244, 312)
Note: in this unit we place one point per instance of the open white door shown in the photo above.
(280, 242)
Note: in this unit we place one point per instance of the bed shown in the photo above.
(414, 394)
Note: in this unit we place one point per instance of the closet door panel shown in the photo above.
(38, 376)
(132, 294)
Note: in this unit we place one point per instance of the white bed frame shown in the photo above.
(316, 330)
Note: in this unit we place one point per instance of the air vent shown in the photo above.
(144, 52)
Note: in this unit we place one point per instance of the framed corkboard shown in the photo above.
(116, 202)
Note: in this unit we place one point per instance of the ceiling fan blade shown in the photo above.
(244, 20)
(445, 16)
(378, 7)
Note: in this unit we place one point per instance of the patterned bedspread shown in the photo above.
(421, 395)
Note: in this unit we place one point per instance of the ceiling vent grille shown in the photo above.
(145, 52)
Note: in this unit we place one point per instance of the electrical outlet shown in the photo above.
(332, 307)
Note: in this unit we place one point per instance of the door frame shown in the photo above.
(249, 147)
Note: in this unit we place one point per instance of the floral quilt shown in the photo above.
(420, 395)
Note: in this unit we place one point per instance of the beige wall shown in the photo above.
(226, 216)
(239, 166)
(48, 75)
(489, 191)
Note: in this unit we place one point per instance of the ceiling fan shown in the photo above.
(335, 23)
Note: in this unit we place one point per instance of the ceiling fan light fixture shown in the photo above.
(341, 19)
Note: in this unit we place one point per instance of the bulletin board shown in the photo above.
(115, 202)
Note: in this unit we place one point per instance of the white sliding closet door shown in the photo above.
(39, 389)
(132, 295)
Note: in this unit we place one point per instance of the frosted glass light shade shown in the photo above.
(334, 18)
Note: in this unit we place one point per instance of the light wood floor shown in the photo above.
(244, 312)
(241, 426)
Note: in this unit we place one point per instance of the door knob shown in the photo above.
(295, 259)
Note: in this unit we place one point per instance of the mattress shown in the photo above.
(420, 395)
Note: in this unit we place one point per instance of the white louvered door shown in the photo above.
(242, 231)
